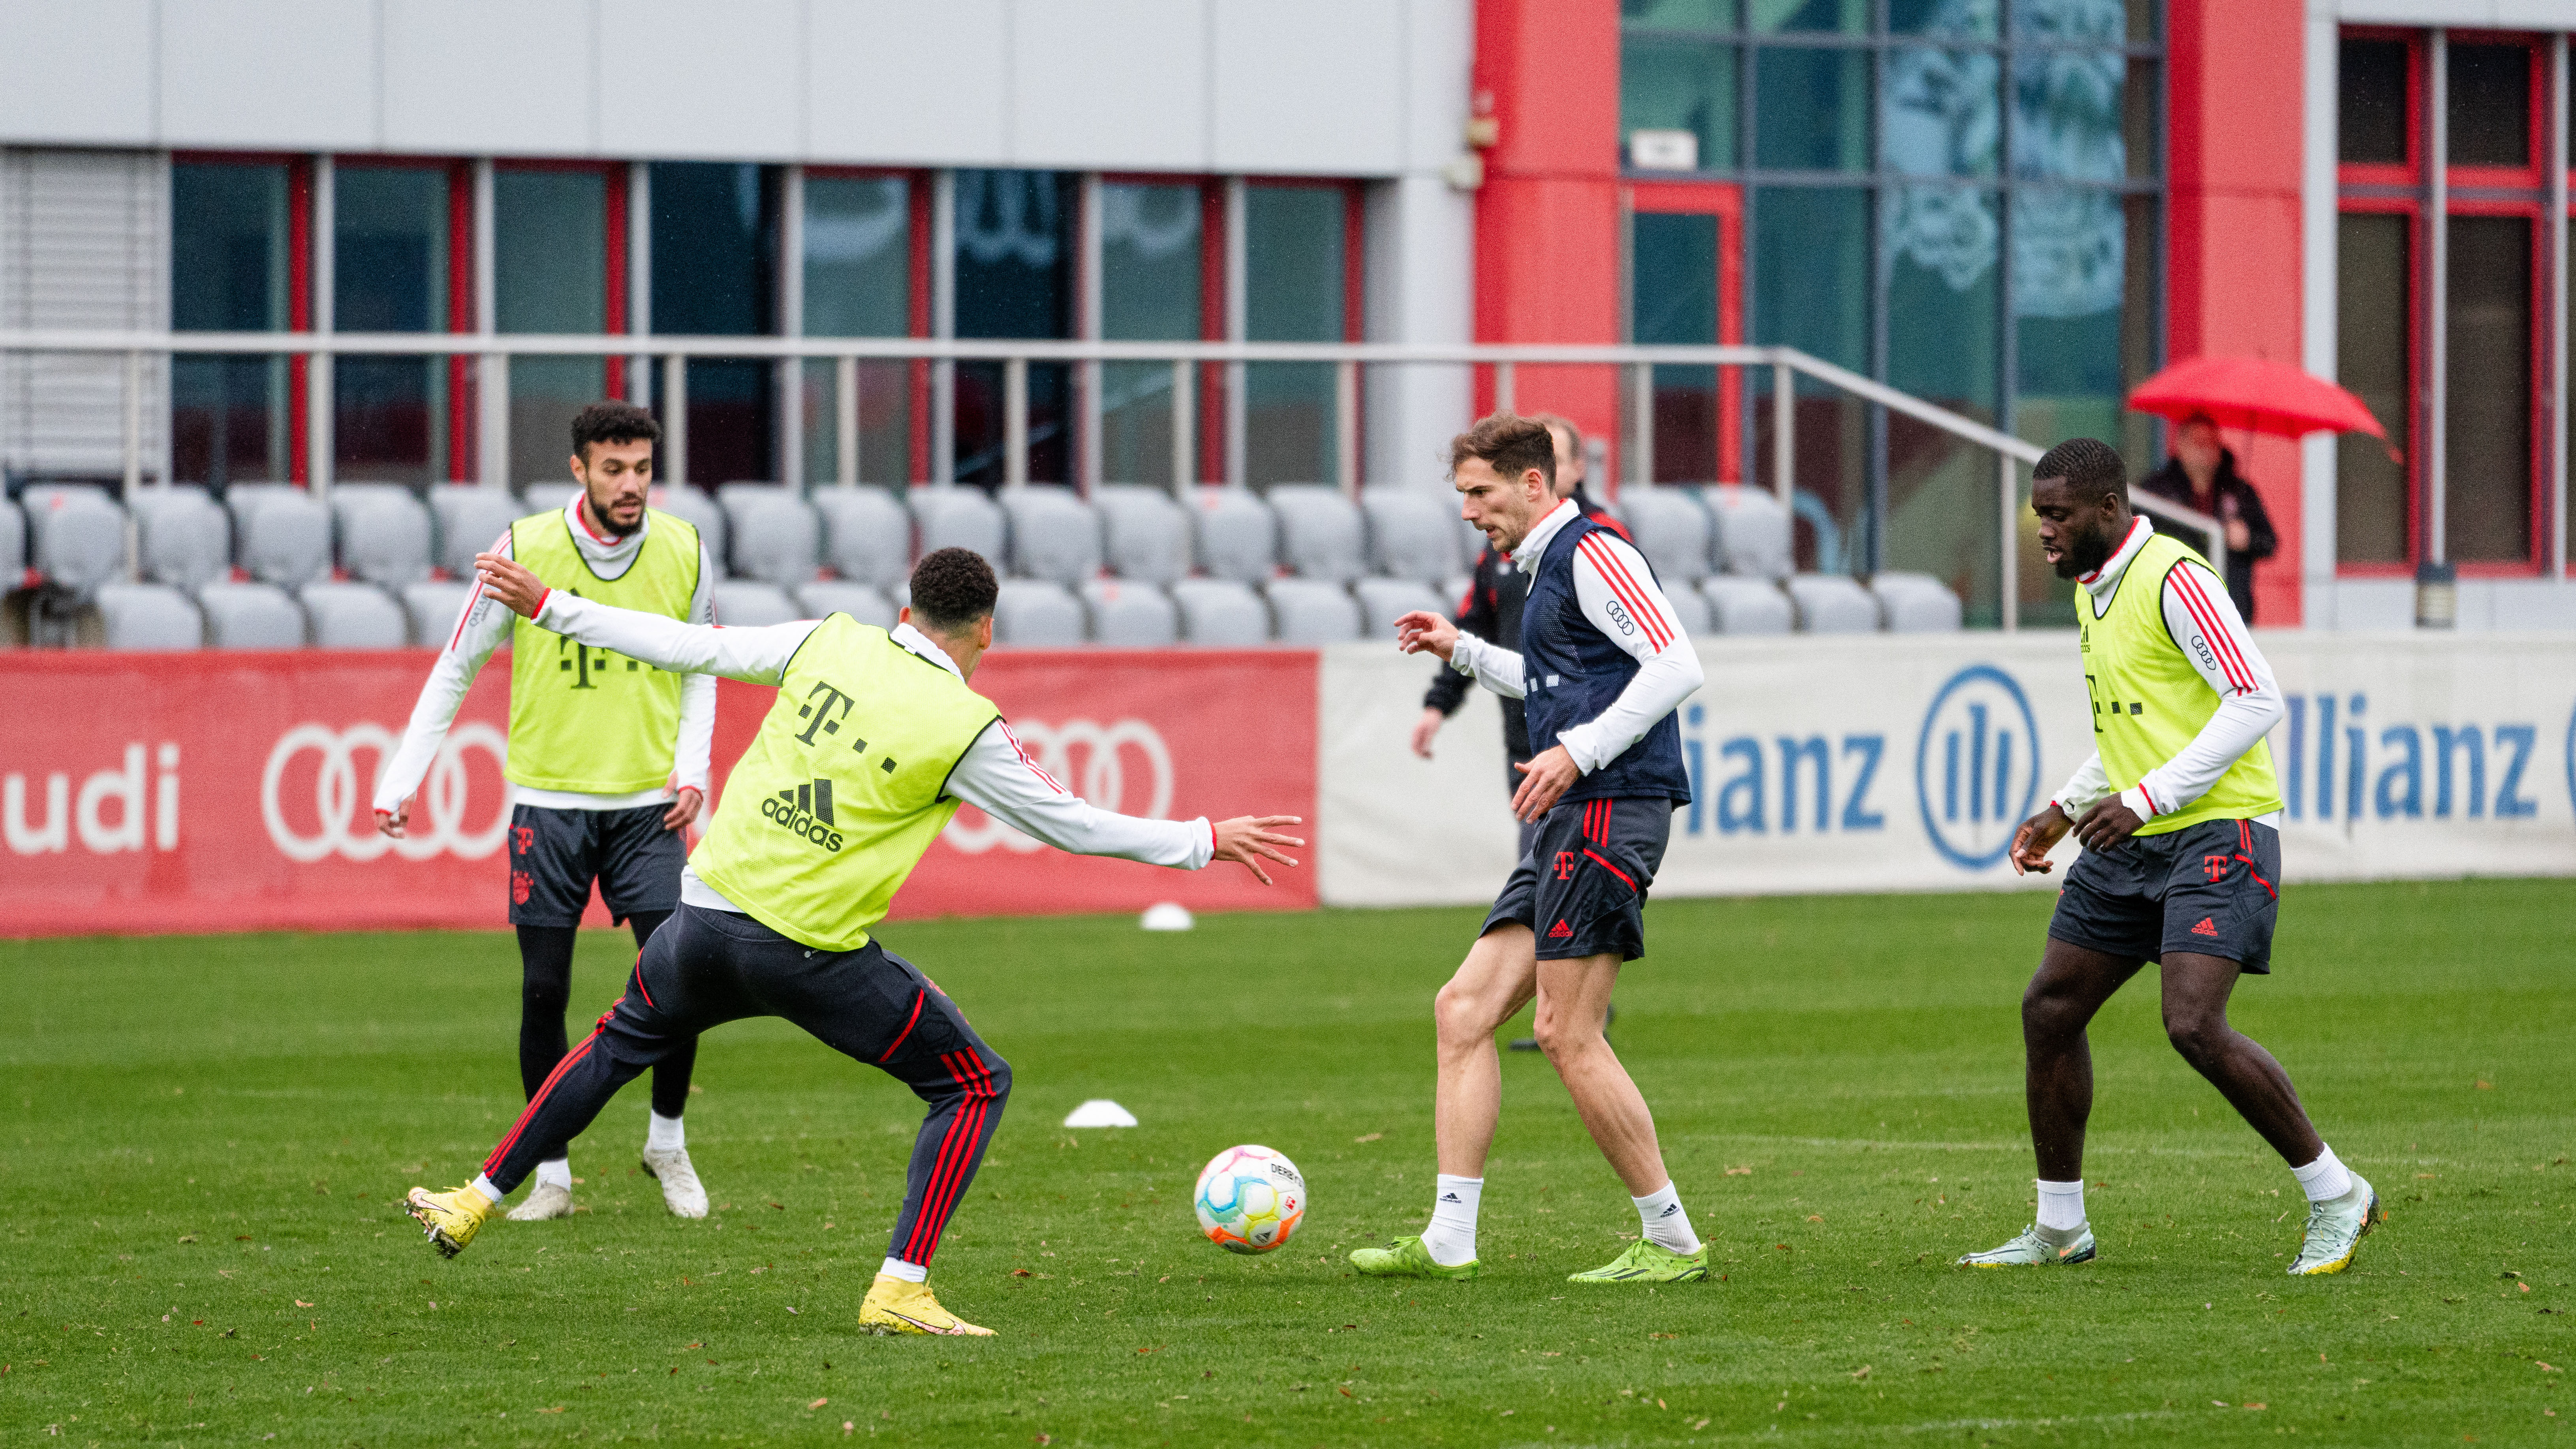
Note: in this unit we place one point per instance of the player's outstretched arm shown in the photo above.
(1250, 839)
(755, 656)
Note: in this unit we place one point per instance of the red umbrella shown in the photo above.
(2255, 395)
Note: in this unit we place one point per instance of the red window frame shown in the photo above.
(1725, 201)
(614, 264)
(918, 193)
(299, 285)
(462, 311)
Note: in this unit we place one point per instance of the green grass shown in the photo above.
(200, 1240)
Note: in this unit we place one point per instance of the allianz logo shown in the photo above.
(2339, 762)
(113, 812)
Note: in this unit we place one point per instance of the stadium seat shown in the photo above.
(1745, 606)
(470, 518)
(1036, 614)
(1412, 532)
(251, 616)
(1691, 609)
(1321, 532)
(1237, 535)
(966, 518)
(1915, 604)
(1671, 529)
(354, 616)
(183, 538)
(13, 544)
(76, 536)
(281, 534)
(1131, 614)
(1472, 542)
(549, 496)
(1146, 534)
(1753, 534)
(433, 605)
(1313, 611)
(1054, 535)
(1833, 604)
(384, 532)
(744, 604)
(863, 602)
(1383, 601)
(867, 536)
(149, 616)
(1453, 592)
(692, 505)
(777, 539)
(1221, 613)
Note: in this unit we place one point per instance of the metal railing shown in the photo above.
(493, 351)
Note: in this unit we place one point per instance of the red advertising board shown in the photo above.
(230, 791)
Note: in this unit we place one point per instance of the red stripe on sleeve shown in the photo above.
(1615, 574)
(2195, 602)
(1022, 752)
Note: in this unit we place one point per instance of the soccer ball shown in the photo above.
(1249, 1199)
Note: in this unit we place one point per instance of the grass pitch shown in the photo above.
(207, 1139)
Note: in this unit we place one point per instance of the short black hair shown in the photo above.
(2088, 465)
(612, 422)
(1511, 445)
(952, 588)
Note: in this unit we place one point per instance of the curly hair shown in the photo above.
(951, 589)
(2087, 465)
(1511, 445)
(611, 422)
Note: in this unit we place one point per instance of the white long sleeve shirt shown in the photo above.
(1618, 596)
(2195, 603)
(483, 625)
(995, 776)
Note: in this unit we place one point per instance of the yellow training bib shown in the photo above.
(592, 720)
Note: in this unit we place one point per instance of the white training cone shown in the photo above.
(1100, 1112)
(1167, 916)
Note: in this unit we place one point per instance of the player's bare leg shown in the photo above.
(1573, 1010)
(2196, 989)
(2063, 996)
(1495, 981)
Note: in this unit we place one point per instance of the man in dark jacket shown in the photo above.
(2202, 474)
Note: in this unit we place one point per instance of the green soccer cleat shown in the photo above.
(1648, 1261)
(2335, 1230)
(2037, 1247)
(1407, 1258)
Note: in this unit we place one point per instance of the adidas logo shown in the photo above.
(2207, 927)
(1559, 931)
(1672, 1209)
(805, 810)
(1449, 1197)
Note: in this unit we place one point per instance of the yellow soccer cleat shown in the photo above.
(895, 1306)
(450, 1218)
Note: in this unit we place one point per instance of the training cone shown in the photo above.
(1167, 916)
(1100, 1112)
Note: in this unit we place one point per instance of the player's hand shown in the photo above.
(2037, 836)
(505, 580)
(1543, 780)
(1420, 632)
(2107, 824)
(392, 822)
(1424, 728)
(1248, 839)
(2240, 535)
(684, 808)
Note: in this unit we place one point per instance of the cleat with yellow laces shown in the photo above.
(2335, 1229)
(895, 1306)
(451, 1218)
(2038, 1247)
(1407, 1258)
(1648, 1261)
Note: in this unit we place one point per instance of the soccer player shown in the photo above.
(1601, 667)
(608, 760)
(2178, 813)
(874, 740)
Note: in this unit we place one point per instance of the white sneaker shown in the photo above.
(545, 1200)
(681, 1191)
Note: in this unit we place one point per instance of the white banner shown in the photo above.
(1879, 763)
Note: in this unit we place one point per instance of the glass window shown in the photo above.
(1294, 282)
(1671, 83)
(1812, 109)
(2075, 22)
(390, 227)
(1942, 112)
(1673, 269)
(1152, 285)
(2070, 115)
(2486, 459)
(858, 283)
(1940, 253)
(229, 244)
(2069, 256)
(1831, 17)
(1812, 285)
(1946, 19)
(2372, 343)
(2490, 105)
(1678, 14)
(549, 274)
(1015, 278)
(714, 250)
(2371, 113)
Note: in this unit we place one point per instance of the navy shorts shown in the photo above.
(556, 854)
(2213, 888)
(1581, 889)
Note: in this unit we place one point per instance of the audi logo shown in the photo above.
(1102, 779)
(343, 825)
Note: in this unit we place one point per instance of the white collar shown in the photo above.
(1534, 546)
(600, 550)
(2104, 581)
(922, 644)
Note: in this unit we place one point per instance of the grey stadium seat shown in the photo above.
(183, 538)
(75, 537)
(777, 539)
(1833, 604)
(1131, 614)
(470, 518)
(1753, 532)
(1746, 606)
(1221, 613)
(1671, 529)
(251, 616)
(433, 605)
(863, 602)
(1237, 534)
(281, 535)
(867, 536)
(1054, 535)
(1693, 610)
(549, 496)
(1915, 604)
(1383, 601)
(742, 604)
(13, 544)
(961, 518)
(1313, 611)
(693, 506)
(384, 532)
(1321, 533)
(149, 616)
(1145, 533)
(1412, 532)
(1036, 614)
(354, 616)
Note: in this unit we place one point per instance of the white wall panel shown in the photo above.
(678, 78)
(292, 74)
(1120, 85)
(76, 73)
(1311, 88)
(904, 83)
(450, 88)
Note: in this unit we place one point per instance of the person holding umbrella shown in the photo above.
(2202, 475)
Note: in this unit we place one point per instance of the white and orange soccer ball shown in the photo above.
(1249, 1199)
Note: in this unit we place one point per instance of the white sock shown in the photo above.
(557, 1172)
(2324, 1179)
(2061, 1204)
(664, 1134)
(483, 1185)
(908, 1272)
(1452, 1234)
(1660, 1214)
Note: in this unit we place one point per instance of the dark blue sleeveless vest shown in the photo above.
(1572, 671)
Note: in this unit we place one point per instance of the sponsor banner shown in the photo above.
(1872, 763)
